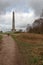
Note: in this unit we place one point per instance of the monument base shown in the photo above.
(13, 30)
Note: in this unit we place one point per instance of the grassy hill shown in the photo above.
(30, 48)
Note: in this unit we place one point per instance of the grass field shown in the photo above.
(30, 48)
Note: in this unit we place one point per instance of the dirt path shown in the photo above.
(8, 52)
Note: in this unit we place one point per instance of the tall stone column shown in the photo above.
(13, 22)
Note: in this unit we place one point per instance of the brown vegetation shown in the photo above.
(37, 27)
(0, 42)
(30, 47)
(30, 37)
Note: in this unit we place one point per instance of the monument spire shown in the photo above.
(13, 22)
(41, 14)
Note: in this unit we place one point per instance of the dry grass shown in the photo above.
(0, 37)
(30, 38)
(0, 42)
(30, 47)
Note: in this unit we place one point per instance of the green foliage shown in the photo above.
(35, 59)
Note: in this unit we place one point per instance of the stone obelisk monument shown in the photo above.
(13, 22)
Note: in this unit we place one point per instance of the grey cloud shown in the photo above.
(4, 4)
(36, 5)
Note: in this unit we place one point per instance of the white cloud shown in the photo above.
(24, 18)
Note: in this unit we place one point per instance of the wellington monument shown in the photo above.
(13, 22)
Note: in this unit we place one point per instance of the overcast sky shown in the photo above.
(25, 12)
